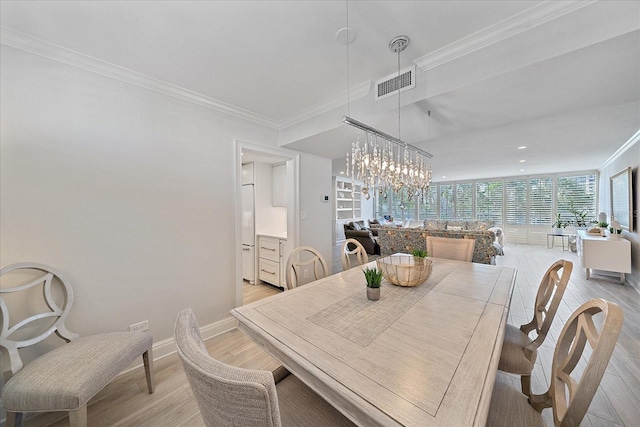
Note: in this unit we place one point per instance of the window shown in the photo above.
(519, 201)
(516, 201)
(489, 201)
(447, 207)
(577, 197)
(464, 201)
(540, 201)
(397, 205)
(429, 209)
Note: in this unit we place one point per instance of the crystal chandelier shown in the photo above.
(384, 163)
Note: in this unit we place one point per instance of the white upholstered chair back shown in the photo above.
(232, 396)
(451, 248)
(226, 395)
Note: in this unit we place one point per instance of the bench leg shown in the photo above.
(78, 418)
(13, 419)
(147, 358)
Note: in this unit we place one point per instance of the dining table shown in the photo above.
(424, 355)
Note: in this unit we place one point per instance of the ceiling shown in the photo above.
(561, 78)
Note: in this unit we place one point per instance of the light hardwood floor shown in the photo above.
(125, 401)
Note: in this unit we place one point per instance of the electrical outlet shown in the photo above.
(142, 326)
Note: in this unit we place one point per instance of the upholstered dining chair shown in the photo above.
(358, 250)
(232, 396)
(519, 350)
(451, 248)
(67, 377)
(572, 389)
(304, 259)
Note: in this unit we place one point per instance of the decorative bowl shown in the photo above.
(404, 269)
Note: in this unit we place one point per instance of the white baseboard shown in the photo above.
(167, 347)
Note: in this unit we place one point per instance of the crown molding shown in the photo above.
(510, 27)
(36, 46)
(631, 141)
(357, 92)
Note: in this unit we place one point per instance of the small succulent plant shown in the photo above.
(419, 253)
(373, 277)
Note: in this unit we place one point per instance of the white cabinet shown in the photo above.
(271, 267)
(279, 185)
(601, 253)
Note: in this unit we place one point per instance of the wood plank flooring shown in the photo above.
(125, 401)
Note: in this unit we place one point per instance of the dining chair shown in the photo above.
(232, 396)
(305, 264)
(572, 387)
(451, 248)
(358, 250)
(519, 350)
(67, 377)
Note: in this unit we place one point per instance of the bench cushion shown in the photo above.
(67, 377)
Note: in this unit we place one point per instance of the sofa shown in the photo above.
(393, 240)
(363, 234)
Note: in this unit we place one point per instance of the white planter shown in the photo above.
(557, 230)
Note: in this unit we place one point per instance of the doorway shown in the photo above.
(265, 158)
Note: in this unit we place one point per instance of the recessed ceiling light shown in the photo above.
(341, 172)
(521, 170)
(522, 147)
(522, 161)
(444, 176)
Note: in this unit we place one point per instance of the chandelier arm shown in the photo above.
(353, 122)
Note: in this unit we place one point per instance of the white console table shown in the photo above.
(601, 253)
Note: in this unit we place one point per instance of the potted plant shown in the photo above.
(603, 225)
(419, 255)
(559, 225)
(615, 230)
(580, 217)
(373, 277)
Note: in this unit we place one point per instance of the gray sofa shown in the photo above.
(357, 230)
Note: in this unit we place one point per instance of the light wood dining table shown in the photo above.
(419, 356)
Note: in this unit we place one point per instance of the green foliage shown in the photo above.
(420, 253)
(580, 217)
(559, 222)
(373, 277)
(615, 231)
(603, 224)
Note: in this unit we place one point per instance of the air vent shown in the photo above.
(389, 85)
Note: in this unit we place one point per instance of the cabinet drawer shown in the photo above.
(270, 249)
(270, 271)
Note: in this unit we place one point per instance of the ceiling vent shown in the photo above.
(389, 85)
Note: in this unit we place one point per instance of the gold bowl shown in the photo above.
(404, 269)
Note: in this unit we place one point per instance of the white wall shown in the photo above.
(127, 191)
(628, 158)
(316, 215)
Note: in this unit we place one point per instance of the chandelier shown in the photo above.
(384, 163)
